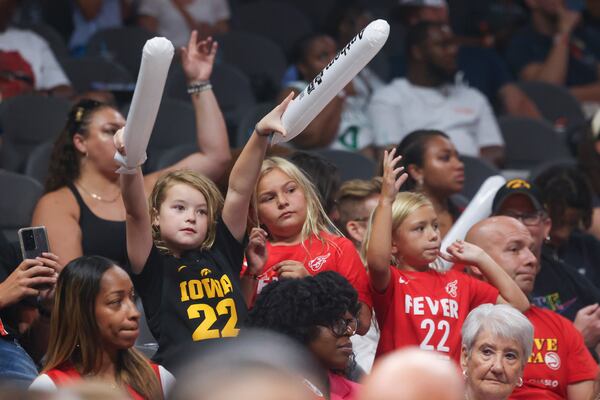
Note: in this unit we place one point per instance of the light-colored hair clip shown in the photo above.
(79, 114)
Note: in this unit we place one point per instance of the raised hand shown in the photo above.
(256, 252)
(119, 142)
(272, 121)
(391, 183)
(198, 58)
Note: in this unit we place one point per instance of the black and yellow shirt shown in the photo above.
(193, 300)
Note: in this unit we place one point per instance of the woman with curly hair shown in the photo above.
(320, 312)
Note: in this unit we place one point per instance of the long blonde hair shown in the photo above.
(214, 202)
(316, 218)
(74, 335)
(404, 204)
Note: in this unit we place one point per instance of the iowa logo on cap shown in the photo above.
(518, 184)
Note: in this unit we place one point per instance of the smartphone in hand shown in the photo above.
(34, 241)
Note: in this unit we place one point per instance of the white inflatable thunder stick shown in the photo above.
(156, 59)
(479, 208)
(348, 62)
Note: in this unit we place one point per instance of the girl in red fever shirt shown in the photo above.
(301, 239)
(415, 304)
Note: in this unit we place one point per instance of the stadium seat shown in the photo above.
(97, 73)
(38, 161)
(28, 121)
(530, 142)
(476, 172)
(351, 165)
(17, 202)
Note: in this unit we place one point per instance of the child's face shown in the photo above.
(183, 218)
(417, 240)
(281, 204)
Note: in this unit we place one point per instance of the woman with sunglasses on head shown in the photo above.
(320, 312)
(83, 208)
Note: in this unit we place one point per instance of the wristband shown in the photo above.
(198, 87)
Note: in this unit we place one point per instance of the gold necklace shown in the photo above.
(97, 196)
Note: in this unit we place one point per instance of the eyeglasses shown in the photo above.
(529, 219)
(344, 327)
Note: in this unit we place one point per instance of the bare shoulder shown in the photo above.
(59, 202)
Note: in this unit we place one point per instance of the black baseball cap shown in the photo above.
(518, 186)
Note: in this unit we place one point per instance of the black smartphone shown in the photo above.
(34, 241)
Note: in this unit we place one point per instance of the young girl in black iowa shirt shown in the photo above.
(186, 268)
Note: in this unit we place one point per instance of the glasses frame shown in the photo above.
(349, 329)
(528, 219)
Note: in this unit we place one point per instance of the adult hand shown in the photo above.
(46, 295)
(391, 183)
(256, 252)
(198, 57)
(290, 269)
(26, 280)
(587, 321)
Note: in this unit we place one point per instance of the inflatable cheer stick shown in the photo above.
(348, 62)
(156, 59)
(479, 208)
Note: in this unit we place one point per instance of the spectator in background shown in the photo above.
(435, 170)
(554, 49)
(176, 19)
(429, 98)
(355, 202)
(558, 287)
(496, 343)
(27, 63)
(82, 208)
(568, 197)
(94, 326)
(22, 290)
(320, 313)
(560, 366)
(480, 66)
(588, 157)
(343, 123)
(323, 173)
(413, 374)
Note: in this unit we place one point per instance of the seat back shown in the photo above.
(351, 165)
(17, 202)
(28, 121)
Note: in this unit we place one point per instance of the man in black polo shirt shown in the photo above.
(558, 286)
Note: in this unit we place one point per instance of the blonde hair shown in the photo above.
(316, 218)
(404, 204)
(351, 197)
(214, 202)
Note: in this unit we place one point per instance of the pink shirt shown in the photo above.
(341, 388)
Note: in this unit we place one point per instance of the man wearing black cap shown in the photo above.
(558, 286)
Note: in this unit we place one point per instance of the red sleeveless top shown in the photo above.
(66, 373)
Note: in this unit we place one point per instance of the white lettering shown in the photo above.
(423, 305)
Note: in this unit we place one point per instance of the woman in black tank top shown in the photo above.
(82, 208)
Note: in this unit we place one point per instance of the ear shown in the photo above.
(394, 247)
(415, 172)
(547, 226)
(464, 356)
(355, 231)
(80, 143)
(155, 219)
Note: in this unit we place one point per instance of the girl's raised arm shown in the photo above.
(379, 250)
(246, 169)
(137, 219)
(468, 253)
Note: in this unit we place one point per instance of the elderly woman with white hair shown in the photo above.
(496, 343)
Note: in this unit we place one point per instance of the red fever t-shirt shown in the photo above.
(337, 254)
(427, 309)
(559, 358)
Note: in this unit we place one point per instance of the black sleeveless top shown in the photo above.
(100, 236)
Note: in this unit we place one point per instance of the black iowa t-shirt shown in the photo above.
(193, 300)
